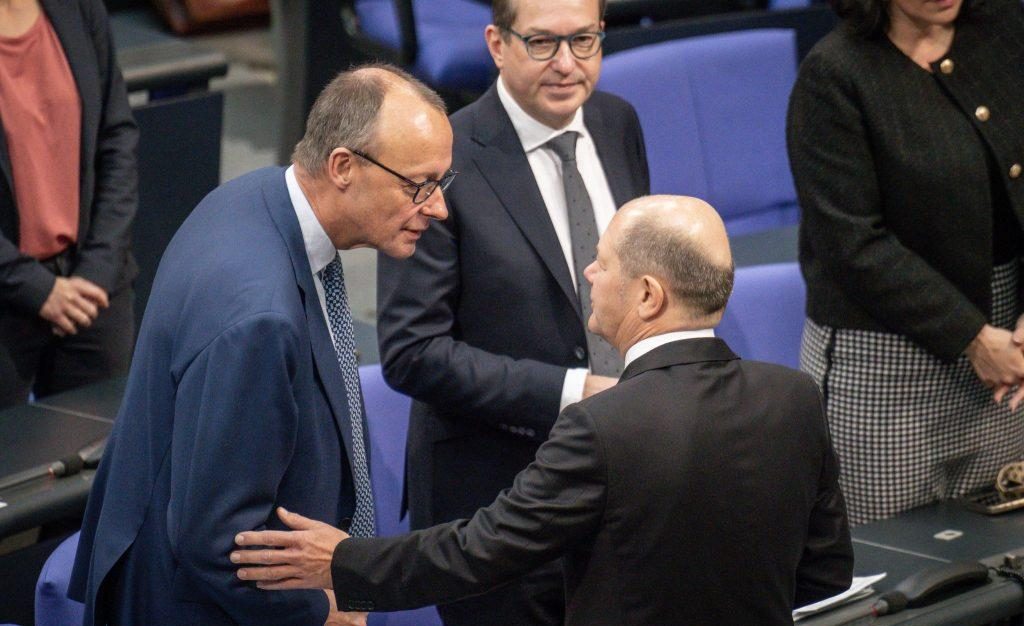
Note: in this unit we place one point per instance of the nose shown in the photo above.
(435, 206)
(588, 271)
(563, 60)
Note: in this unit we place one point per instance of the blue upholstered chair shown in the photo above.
(713, 111)
(53, 607)
(765, 315)
(387, 417)
(442, 40)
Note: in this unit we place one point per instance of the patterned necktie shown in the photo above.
(340, 318)
(604, 359)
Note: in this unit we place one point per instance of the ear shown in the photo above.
(495, 45)
(653, 299)
(341, 167)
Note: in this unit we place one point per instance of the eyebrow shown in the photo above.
(590, 28)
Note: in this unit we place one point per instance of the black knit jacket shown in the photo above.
(890, 167)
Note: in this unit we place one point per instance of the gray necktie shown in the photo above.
(340, 318)
(604, 359)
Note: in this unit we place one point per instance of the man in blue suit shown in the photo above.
(241, 394)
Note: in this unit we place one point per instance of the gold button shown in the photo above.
(946, 66)
(982, 113)
(1015, 170)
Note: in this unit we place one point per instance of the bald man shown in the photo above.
(701, 489)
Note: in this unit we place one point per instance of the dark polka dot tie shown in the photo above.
(340, 318)
(604, 359)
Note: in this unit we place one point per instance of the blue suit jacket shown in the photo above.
(235, 404)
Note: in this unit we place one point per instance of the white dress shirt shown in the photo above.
(644, 346)
(547, 171)
(319, 249)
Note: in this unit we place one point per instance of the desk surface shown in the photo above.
(907, 544)
(35, 435)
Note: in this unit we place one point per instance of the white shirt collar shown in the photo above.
(319, 249)
(533, 134)
(644, 346)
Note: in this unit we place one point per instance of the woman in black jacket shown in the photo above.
(68, 193)
(906, 139)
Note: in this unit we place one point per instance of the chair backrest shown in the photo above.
(442, 39)
(764, 319)
(387, 421)
(53, 607)
(713, 111)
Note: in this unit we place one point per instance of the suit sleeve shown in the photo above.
(235, 423)
(421, 356)
(557, 501)
(826, 565)
(102, 253)
(834, 171)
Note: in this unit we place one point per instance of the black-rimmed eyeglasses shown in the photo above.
(424, 189)
(544, 47)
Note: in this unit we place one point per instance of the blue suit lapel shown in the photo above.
(279, 205)
(504, 166)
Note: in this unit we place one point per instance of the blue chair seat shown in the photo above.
(53, 607)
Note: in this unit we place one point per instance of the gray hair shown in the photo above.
(345, 113)
(646, 247)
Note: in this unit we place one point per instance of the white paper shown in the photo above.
(860, 588)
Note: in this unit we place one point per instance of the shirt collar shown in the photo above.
(644, 346)
(319, 249)
(533, 134)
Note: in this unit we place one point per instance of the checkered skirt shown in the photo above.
(909, 428)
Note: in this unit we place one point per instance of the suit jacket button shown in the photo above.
(1015, 170)
(580, 353)
(982, 113)
(946, 67)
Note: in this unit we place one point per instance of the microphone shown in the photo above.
(86, 458)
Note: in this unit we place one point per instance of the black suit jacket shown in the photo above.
(108, 176)
(480, 325)
(891, 168)
(701, 489)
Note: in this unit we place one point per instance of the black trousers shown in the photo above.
(537, 599)
(33, 359)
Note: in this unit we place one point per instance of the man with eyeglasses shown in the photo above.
(485, 325)
(244, 390)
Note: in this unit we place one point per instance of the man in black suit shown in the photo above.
(484, 327)
(701, 489)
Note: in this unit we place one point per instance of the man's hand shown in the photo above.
(73, 303)
(298, 559)
(340, 618)
(999, 362)
(597, 384)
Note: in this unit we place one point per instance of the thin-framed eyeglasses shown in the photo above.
(544, 47)
(424, 189)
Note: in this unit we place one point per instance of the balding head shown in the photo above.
(347, 112)
(682, 241)
(666, 260)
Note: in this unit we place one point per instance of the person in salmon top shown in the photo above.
(68, 194)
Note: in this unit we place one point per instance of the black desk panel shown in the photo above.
(35, 436)
(983, 535)
(100, 400)
(906, 544)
